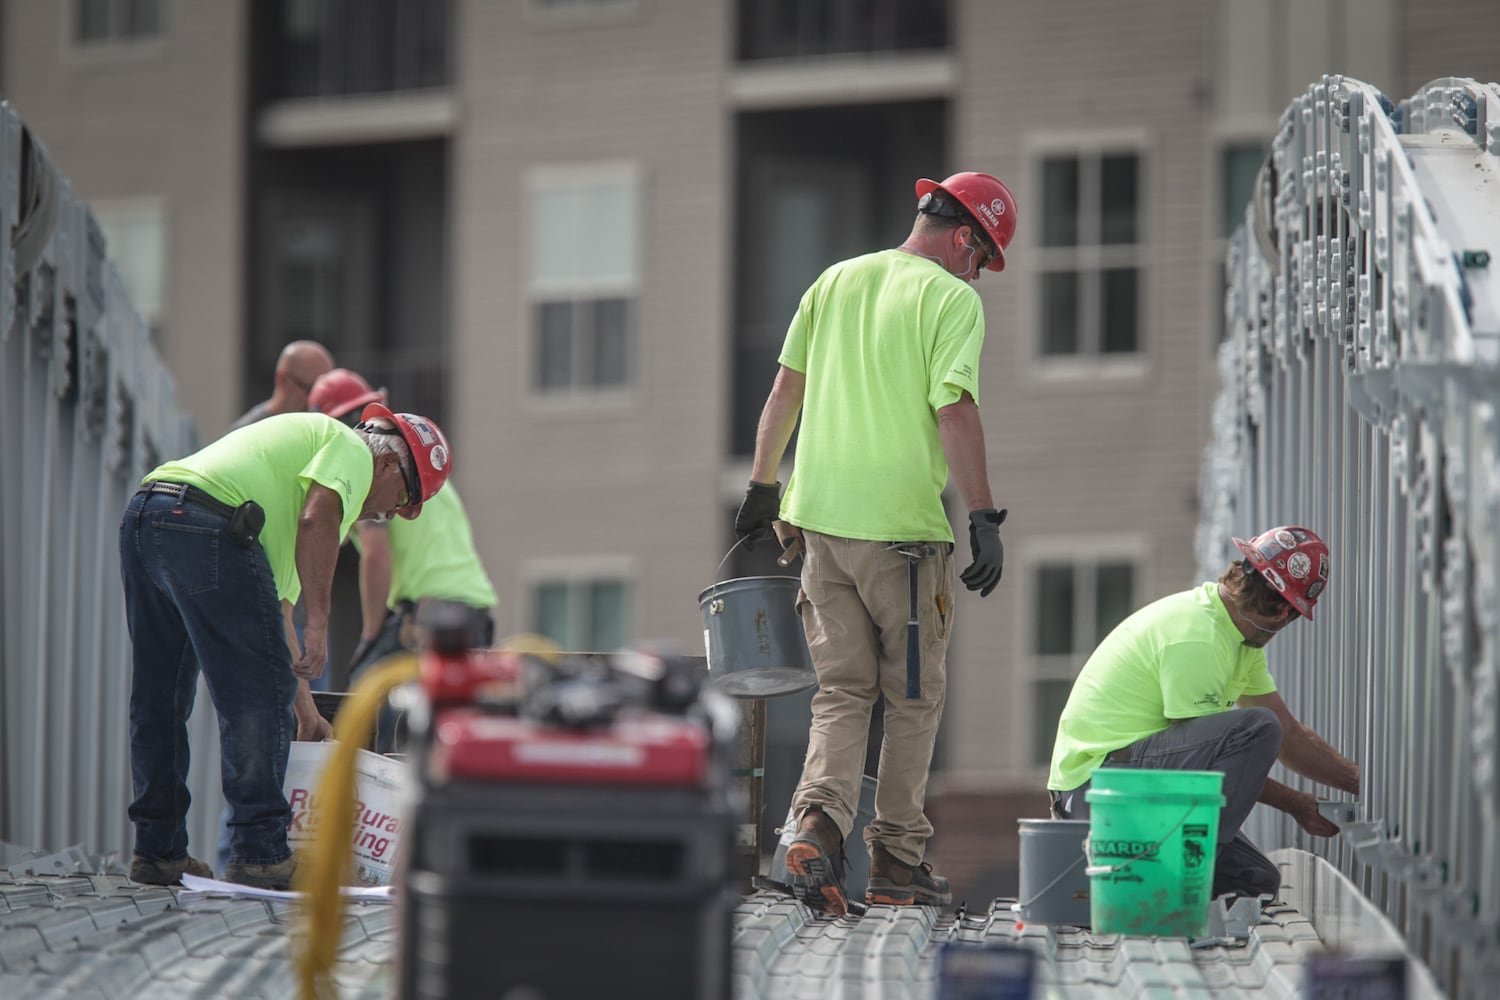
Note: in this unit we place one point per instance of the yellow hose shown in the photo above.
(329, 863)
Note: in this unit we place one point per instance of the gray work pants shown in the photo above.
(1243, 744)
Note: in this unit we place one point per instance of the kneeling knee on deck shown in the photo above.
(1260, 725)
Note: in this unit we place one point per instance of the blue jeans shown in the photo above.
(195, 600)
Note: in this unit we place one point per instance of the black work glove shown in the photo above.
(984, 572)
(761, 506)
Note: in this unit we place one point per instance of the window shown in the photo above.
(584, 280)
(133, 232)
(1239, 164)
(1078, 603)
(103, 21)
(584, 616)
(1090, 254)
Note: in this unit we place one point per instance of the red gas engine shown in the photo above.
(572, 829)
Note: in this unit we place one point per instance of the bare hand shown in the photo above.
(314, 656)
(313, 729)
(1314, 822)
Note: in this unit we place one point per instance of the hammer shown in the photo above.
(914, 552)
(790, 537)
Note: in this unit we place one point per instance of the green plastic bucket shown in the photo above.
(1152, 838)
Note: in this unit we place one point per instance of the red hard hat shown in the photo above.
(432, 459)
(339, 391)
(987, 199)
(1294, 561)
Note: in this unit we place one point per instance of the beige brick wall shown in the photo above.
(164, 118)
(637, 479)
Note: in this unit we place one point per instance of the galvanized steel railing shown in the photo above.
(1360, 383)
(86, 408)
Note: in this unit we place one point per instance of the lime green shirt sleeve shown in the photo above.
(344, 465)
(955, 363)
(1194, 680)
(794, 348)
(1258, 680)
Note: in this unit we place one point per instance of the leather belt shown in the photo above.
(192, 494)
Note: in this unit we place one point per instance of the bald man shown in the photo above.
(300, 365)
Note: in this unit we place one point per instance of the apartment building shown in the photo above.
(574, 231)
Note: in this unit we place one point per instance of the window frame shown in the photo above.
(1089, 551)
(141, 206)
(1236, 131)
(112, 44)
(1092, 258)
(574, 572)
(535, 290)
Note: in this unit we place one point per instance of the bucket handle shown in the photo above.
(1094, 869)
(1021, 906)
(736, 545)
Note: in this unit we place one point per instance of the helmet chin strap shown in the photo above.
(1247, 619)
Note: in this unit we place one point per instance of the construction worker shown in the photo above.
(881, 363)
(403, 564)
(214, 548)
(1161, 691)
(300, 364)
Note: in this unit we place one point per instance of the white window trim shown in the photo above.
(573, 570)
(593, 12)
(145, 204)
(1070, 369)
(581, 401)
(1073, 550)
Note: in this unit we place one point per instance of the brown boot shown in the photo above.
(896, 883)
(277, 876)
(815, 863)
(155, 871)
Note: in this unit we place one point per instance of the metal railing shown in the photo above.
(335, 48)
(1360, 384)
(87, 408)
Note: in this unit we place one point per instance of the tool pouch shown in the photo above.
(245, 523)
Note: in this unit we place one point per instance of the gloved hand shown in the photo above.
(984, 572)
(760, 507)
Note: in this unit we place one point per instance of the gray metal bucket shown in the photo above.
(1054, 888)
(754, 639)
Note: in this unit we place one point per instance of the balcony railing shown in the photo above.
(331, 48)
(802, 29)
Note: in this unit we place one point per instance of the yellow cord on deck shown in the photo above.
(327, 866)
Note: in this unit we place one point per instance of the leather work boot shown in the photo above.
(155, 871)
(815, 863)
(277, 876)
(896, 883)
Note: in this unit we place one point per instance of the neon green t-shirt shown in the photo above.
(1177, 658)
(274, 462)
(885, 340)
(433, 555)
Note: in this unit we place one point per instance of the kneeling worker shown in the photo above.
(1158, 692)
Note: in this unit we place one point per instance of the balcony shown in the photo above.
(343, 48)
(811, 29)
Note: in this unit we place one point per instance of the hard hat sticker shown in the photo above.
(421, 428)
(1285, 539)
(439, 457)
(1274, 579)
(1299, 565)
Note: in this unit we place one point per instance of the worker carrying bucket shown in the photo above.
(881, 367)
(1182, 685)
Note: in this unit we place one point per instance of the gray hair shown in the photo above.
(381, 436)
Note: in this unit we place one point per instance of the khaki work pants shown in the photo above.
(855, 602)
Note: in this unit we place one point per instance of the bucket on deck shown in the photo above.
(1054, 886)
(1152, 838)
(753, 637)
